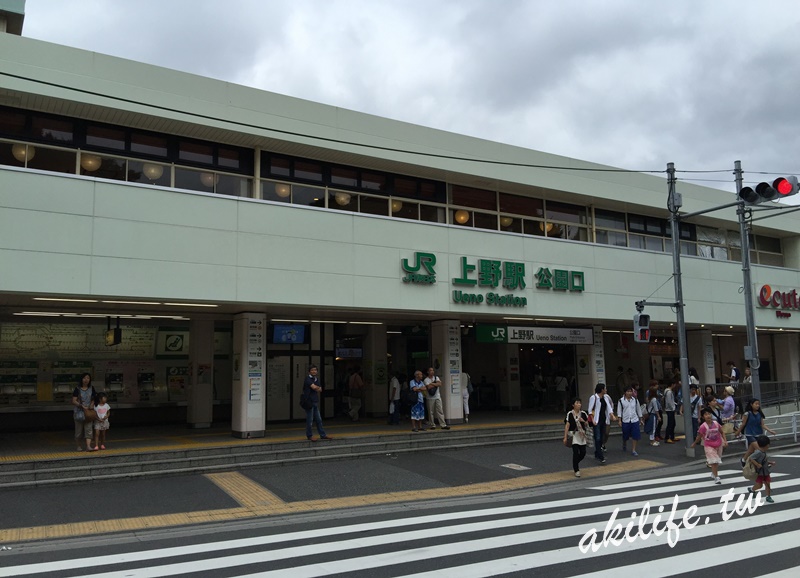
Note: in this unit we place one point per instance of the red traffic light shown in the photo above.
(786, 186)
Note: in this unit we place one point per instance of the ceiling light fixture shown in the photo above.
(191, 304)
(70, 300)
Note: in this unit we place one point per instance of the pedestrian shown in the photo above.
(575, 425)
(561, 384)
(629, 416)
(83, 411)
(753, 422)
(761, 461)
(101, 424)
(694, 379)
(696, 404)
(733, 375)
(418, 409)
(670, 406)
(727, 410)
(651, 424)
(435, 410)
(312, 387)
(356, 393)
(660, 421)
(466, 391)
(713, 440)
(601, 412)
(394, 398)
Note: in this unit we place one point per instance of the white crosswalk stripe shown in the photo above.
(550, 531)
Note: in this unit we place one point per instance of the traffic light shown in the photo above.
(641, 328)
(780, 188)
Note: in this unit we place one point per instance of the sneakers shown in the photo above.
(602, 460)
(312, 439)
(466, 419)
(446, 427)
(655, 444)
(717, 480)
(770, 500)
(603, 448)
(741, 461)
(635, 454)
(322, 438)
(578, 474)
(670, 441)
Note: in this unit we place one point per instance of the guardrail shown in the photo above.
(785, 427)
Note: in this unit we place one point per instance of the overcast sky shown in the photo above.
(629, 83)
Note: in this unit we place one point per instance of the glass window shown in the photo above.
(712, 252)
(711, 236)
(307, 171)
(14, 154)
(12, 123)
(54, 160)
(636, 224)
(432, 191)
(535, 228)
(687, 231)
(654, 226)
(103, 167)
(609, 220)
(768, 244)
(406, 187)
(616, 238)
(476, 198)
(770, 259)
(52, 130)
(228, 158)
(510, 224)
(342, 201)
(485, 221)
(373, 182)
(281, 192)
(564, 212)
(344, 177)
(309, 196)
(374, 205)
(149, 144)
(517, 205)
(432, 213)
(196, 152)
(195, 180)
(233, 186)
(280, 167)
(105, 137)
(149, 173)
(404, 209)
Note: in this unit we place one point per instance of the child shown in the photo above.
(759, 458)
(101, 423)
(753, 422)
(713, 441)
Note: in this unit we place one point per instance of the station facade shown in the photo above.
(234, 236)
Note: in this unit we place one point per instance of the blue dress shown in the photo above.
(418, 409)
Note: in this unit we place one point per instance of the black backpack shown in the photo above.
(409, 397)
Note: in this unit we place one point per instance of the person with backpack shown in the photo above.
(762, 465)
(601, 412)
(575, 428)
(710, 433)
(629, 416)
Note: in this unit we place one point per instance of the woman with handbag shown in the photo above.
(83, 413)
(575, 434)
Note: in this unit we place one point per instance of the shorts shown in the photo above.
(713, 454)
(631, 430)
(762, 479)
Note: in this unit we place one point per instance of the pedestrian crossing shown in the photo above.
(545, 536)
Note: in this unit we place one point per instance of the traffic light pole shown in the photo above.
(751, 351)
(674, 203)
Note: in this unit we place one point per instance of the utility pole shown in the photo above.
(751, 351)
(674, 203)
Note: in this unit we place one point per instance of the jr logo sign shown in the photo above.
(422, 271)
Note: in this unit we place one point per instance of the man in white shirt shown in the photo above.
(629, 416)
(601, 410)
(394, 399)
(434, 400)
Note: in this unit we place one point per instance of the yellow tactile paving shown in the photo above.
(244, 490)
(254, 510)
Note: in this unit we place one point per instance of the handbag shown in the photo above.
(78, 415)
(305, 403)
(568, 443)
(89, 414)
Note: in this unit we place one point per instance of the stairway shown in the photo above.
(106, 466)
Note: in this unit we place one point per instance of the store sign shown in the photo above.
(779, 300)
(509, 276)
(544, 335)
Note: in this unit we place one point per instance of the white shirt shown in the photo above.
(629, 410)
(438, 394)
(394, 385)
(594, 406)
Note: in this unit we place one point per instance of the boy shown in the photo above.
(759, 457)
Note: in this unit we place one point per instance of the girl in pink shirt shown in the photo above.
(714, 440)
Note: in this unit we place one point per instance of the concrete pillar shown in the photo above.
(446, 352)
(200, 396)
(584, 354)
(700, 345)
(375, 370)
(787, 357)
(249, 415)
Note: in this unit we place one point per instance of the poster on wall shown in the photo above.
(177, 380)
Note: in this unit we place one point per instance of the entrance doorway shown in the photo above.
(541, 369)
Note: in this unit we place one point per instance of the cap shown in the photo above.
(729, 390)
